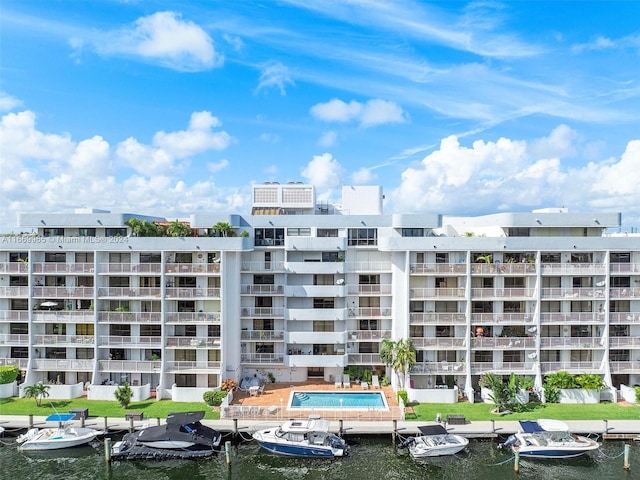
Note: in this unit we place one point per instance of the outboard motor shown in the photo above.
(509, 442)
(407, 442)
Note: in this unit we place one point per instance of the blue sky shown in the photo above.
(460, 108)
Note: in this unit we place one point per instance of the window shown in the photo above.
(582, 257)
(185, 355)
(213, 330)
(373, 302)
(369, 280)
(185, 380)
(327, 232)
(549, 356)
(115, 232)
(363, 236)
(584, 306)
(621, 282)
(446, 356)
(18, 281)
(413, 232)
(368, 324)
(121, 330)
(551, 331)
(188, 306)
(53, 232)
(183, 257)
(620, 306)
(269, 237)
(86, 232)
(150, 330)
(323, 303)
(150, 282)
(513, 307)
(482, 307)
(323, 279)
(19, 352)
(368, 347)
(322, 326)
(442, 257)
(263, 324)
(299, 232)
(619, 355)
(416, 306)
(482, 356)
(580, 356)
(18, 328)
(514, 282)
(446, 307)
(18, 256)
(119, 281)
(150, 258)
(185, 330)
(620, 257)
(512, 356)
(267, 260)
(84, 353)
(116, 257)
(416, 331)
(84, 257)
(518, 232)
(55, 257)
(444, 331)
(263, 302)
(84, 329)
(330, 256)
(550, 258)
(265, 348)
(264, 279)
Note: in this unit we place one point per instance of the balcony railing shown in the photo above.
(262, 289)
(14, 267)
(363, 359)
(501, 368)
(70, 340)
(63, 316)
(369, 266)
(515, 343)
(14, 292)
(202, 366)
(21, 339)
(262, 266)
(506, 318)
(624, 367)
(14, 315)
(571, 367)
(368, 335)
(572, 317)
(624, 318)
(154, 268)
(130, 292)
(193, 317)
(508, 293)
(448, 292)
(63, 365)
(130, 341)
(439, 343)
(182, 292)
(437, 318)
(21, 363)
(258, 335)
(574, 343)
(58, 267)
(377, 289)
(262, 312)
(624, 342)
(572, 293)
(130, 317)
(444, 268)
(130, 366)
(369, 312)
(193, 342)
(262, 357)
(573, 269)
(624, 267)
(63, 292)
(622, 292)
(180, 268)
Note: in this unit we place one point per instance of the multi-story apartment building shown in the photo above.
(302, 289)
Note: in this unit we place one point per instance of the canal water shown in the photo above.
(372, 458)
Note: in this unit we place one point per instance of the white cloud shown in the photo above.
(373, 112)
(513, 175)
(605, 43)
(7, 102)
(328, 139)
(215, 167)
(324, 171)
(164, 38)
(363, 176)
(236, 42)
(274, 75)
(270, 137)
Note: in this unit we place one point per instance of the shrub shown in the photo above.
(591, 381)
(229, 385)
(123, 395)
(8, 374)
(551, 394)
(214, 398)
(402, 394)
(561, 380)
(637, 389)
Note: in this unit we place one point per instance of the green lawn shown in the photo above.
(482, 411)
(102, 408)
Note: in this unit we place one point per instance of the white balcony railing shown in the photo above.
(193, 342)
(129, 292)
(443, 268)
(130, 341)
(193, 317)
(574, 343)
(182, 292)
(127, 366)
(195, 366)
(572, 317)
(21, 339)
(433, 318)
(501, 343)
(64, 365)
(186, 268)
(130, 317)
(70, 340)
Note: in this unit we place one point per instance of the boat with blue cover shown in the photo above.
(65, 435)
(548, 439)
(302, 438)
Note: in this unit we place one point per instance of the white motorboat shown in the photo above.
(434, 441)
(302, 438)
(64, 436)
(183, 436)
(548, 439)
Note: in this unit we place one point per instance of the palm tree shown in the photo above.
(37, 391)
(400, 356)
(223, 229)
(178, 229)
(143, 228)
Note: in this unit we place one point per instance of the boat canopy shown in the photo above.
(433, 430)
(184, 418)
(60, 417)
(530, 426)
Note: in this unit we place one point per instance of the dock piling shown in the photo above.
(30, 421)
(131, 429)
(516, 463)
(106, 426)
(626, 464)
(227, 453)
(393, 432)
(107, 450)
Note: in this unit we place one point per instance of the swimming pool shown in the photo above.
(322, 400)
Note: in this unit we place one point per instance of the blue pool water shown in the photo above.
(304, 399)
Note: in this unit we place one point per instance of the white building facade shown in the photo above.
(302, 289)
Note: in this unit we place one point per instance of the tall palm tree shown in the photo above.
(37, 391)
(223, 229)
(178, 229)
(400, 356)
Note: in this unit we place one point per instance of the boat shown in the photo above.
(182, 436)
(64, 436)
(434, 441)
(548, 439)
(302, 438)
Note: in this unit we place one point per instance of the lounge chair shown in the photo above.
(346, 381)
(364, 385)
(375, 383)
(338, 384)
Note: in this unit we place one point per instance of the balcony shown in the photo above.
(14, 267)
(621, 293)
(129, 366)
(262, 335)
(309, 337)
(315, 244)
(440, 268)
(507, 318)
(129, 292)
(455, 293)
(439, 343)
(21, 363)
(257, 267)
(113, 341)
(504, 368)
(252, 289)
(572, 343)
(573, 269)
(130, 317)
(14, 315)
(185, 268)
(308, 291)
(377, 289)
(63, 316)
(624, 268)
(627, 318)
(502, 293)
(179, 318)
(624, 367)
(572, 367)
(18, 339)
(572, 293)
(316, 361)
(432, 318)
(192, 367)
(193, 342)
(64, 340)
(63, 365)
(441, 368)
(572, 317)
(369, 266)
(624, 342)
(262, 358)
(369, 335)
(182, 292)
(63, 292)
(14, 292)
(56, 267)
(262, 312)
(502, 343)
(369, 312)
(363, 359)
